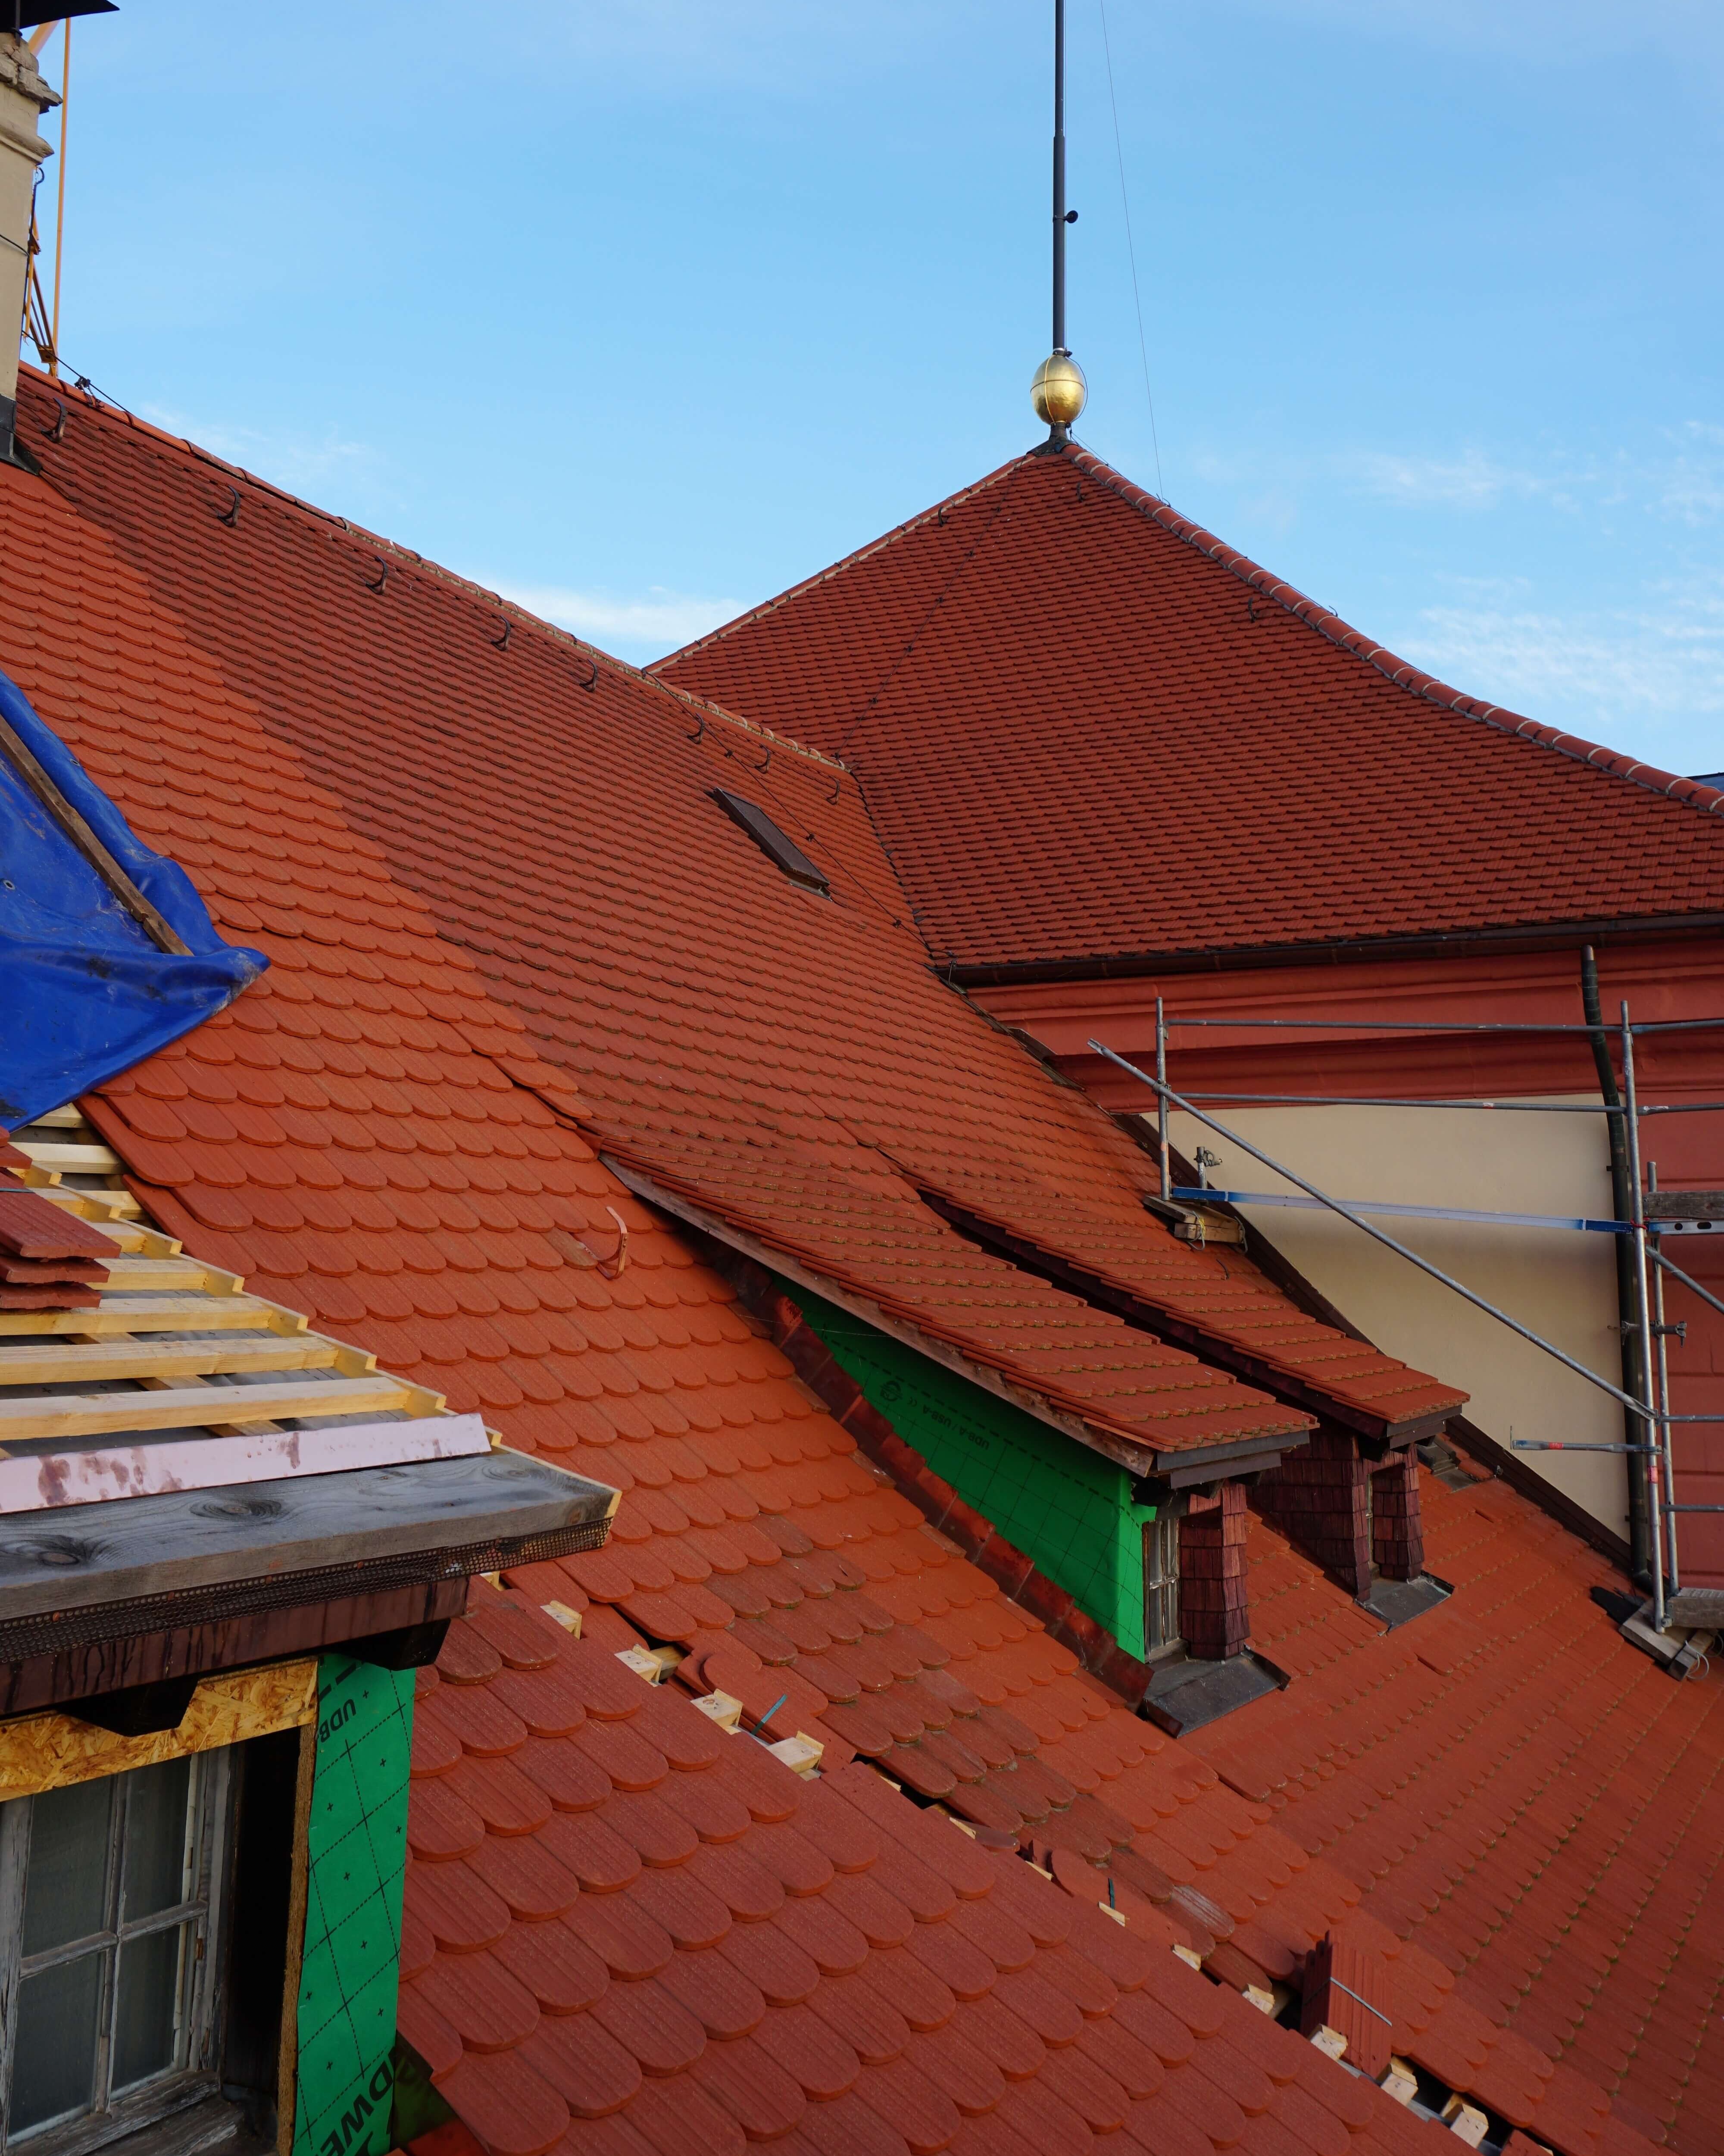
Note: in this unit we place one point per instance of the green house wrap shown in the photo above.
(356, 1858)
(1068, 1509)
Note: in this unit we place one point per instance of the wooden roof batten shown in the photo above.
(261, 1485)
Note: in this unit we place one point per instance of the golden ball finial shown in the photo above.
(1059, 391)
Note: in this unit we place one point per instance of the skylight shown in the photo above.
(778, 847)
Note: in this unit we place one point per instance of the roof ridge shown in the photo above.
(183, 445)
(847, 562)
(1329, 624)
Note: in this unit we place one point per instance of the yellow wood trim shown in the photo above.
(64, 1363)
(93, 1414)
(163, 1313)
(69, 1159)
(185, 1276)
(48, 1751)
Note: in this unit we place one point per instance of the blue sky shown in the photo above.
(643, 312)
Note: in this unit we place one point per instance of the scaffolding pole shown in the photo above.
(1651, 1459)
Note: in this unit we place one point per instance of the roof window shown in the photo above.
(778, 847)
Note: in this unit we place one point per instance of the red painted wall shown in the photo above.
(1661, 981)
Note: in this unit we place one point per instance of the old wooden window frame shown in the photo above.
(209, 1801)
(1160, 1582)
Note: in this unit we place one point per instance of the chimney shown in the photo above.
(23, 97)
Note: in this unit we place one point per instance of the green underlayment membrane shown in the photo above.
(1070, 1511)
(356, 1859)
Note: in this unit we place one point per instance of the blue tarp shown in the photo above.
(84, 991)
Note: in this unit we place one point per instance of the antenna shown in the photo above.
(1058, 391)
(1059, 344)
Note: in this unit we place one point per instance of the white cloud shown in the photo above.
(1471, 480)
(300, 463)
(1651, 670)
(657, 620)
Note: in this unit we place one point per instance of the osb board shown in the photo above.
(47, 1751)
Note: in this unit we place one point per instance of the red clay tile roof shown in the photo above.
(626, 1931)
(1088, 730)
(787, 1060)
(1530, 1813)
(373, 1136)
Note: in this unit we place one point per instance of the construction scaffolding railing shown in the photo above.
(1651, 1457)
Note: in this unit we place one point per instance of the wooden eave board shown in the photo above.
(54, 1563)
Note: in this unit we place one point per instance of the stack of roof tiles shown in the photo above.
(1090, 731)
(49, 1260)
(373, 1134)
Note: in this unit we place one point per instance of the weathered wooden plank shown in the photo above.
(157, 1313)
(41, 1481)
(230, 1643)
(66, 1362)
(91, 1414)
(1685, 1205)
(57, 1563)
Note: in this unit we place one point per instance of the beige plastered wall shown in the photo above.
(1562, 1285)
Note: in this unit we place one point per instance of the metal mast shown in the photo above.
(1060, 343)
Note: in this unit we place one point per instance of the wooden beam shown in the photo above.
(161, 1654)
(13, 747)
(154, 1313)
(69, 1362)
(169, 1275)
(66, 1158)
(96, 1415)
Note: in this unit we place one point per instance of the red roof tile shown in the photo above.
(926, 1984)
(1089, 729)
(440, 1198)
(671, 991)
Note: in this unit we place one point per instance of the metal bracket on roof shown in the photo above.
(501, 643)
(383, 581)
(229, 515)
(591, 681)
(57, 432)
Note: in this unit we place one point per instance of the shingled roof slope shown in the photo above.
(787, 1060)
(373, 1136)
(629, 1934)
(1090, 731)
(365, 1135)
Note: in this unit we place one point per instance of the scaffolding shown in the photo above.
(1653, 1216)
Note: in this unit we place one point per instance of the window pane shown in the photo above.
(147, 2024)
(65, 1890)
(158, 1846)
(55, 2059)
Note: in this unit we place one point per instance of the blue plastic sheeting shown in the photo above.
(84, 993)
